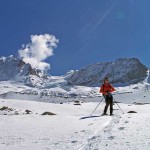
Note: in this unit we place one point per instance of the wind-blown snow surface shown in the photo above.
(69, 129)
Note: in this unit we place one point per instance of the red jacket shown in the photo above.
(105, 88)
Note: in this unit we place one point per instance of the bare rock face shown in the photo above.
(132, 111)
(28, 111)
(48, 113)
(121, 72)
(13, 68)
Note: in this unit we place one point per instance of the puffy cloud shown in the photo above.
(40, 48)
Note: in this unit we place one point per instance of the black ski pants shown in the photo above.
(109, 102)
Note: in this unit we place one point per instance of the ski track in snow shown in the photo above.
(127, 132)
(101, 136)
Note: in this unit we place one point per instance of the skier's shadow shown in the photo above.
(88, 117)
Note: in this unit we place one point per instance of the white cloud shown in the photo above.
(40, 48)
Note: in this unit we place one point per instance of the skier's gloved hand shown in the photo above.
(108, 92)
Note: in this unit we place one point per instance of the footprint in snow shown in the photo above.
(74, 141)
(82, 131)
(121, 128)
(126, 122)
(93, 138)
(111, 137)
(56, 143)
(90, 124)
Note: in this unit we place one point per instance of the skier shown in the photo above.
(106, 90)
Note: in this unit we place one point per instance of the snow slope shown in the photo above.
(67, 130)
(14, 90)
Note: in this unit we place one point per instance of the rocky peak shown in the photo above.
(123, 71)
(12, 68)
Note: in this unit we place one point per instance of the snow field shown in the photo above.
(67, 130)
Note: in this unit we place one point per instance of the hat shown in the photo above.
(106, 78)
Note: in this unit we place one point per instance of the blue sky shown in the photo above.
(89, 31)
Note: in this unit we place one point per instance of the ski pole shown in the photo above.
(96, 107)
(119, 107)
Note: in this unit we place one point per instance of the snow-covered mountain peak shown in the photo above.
(123, 71)
(12, 68)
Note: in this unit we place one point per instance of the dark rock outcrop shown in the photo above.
(121, 72)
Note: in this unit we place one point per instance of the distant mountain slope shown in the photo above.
(12, 68)
(123, 71)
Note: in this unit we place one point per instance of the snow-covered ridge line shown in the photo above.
(122, 72)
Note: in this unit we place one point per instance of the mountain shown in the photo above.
(123, 71)
(20, 81)
(16, 69)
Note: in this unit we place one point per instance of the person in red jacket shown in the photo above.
(106, 89)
